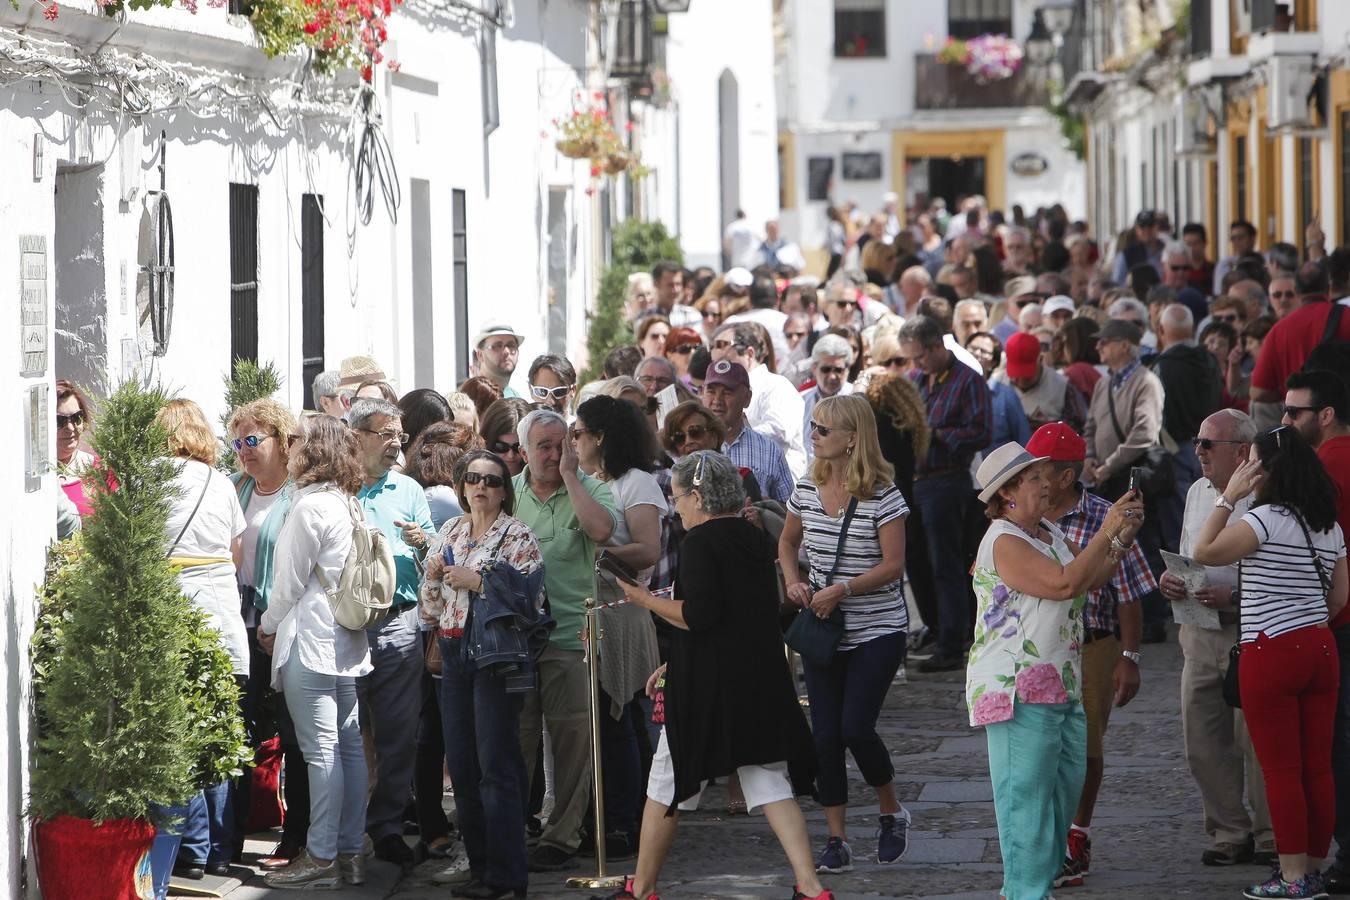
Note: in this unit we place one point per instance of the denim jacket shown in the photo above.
(506, 632)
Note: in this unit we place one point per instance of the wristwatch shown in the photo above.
(848, 588)
(1221, 500)
(1131, 655)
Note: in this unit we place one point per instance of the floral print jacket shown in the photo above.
(1025, 648)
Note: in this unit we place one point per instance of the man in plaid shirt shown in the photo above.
(1112, 622)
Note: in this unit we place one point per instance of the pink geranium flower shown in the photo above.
(1041, 684)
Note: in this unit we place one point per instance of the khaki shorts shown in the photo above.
(759, 784)
(1099, 691)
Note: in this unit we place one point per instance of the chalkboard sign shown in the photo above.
(819, 171)
(862, 167)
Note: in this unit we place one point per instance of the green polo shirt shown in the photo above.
(569, 553)
(398, 497)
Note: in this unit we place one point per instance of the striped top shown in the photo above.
(1280, 588)
(866, 616)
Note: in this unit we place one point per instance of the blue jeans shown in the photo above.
(391, 701)
(208, 827)
(624, 787)
(323, 710)
(481, 723)
(1037, 762)
(941, 500)
(1340, 751)
(846, 698)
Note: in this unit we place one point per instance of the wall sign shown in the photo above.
(33, 303)
(819, 172)
(1029, 165)
(862, 167)
(39, 427)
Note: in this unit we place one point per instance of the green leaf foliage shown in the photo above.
(637, 247)
(215, 728)
(115, 716)
(247, 382)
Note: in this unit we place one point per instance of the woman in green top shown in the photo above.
(260, 433)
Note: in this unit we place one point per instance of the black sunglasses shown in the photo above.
(832, 370)
(1208, 443)
(76, 419)
(1293, 411)
(683, 349)
(492, 481)
(500, 447)
(694, 432)
(824, 430)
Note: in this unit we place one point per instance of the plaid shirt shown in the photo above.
(1118, 379)
(672, 532)
(1132, 579)
(762, 455)
(960, 415)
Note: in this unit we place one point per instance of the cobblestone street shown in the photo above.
(1147, 837)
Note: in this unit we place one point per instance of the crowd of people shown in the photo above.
(1048, 447)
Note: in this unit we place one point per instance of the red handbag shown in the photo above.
(265, 810)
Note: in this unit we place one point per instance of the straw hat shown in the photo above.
(1001, 466)
(355, 369)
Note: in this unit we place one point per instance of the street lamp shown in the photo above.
(1058, 18)
(1040, 46)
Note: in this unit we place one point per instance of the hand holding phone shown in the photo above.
(1137, 481)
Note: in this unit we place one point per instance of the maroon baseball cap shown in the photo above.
(1020, 354)
(728, 373)
(1059, 442)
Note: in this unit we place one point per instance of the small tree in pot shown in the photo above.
(114, 713)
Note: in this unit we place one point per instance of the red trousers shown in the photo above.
(1289, 686)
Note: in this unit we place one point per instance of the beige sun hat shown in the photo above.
(1000, 466)
(355, 369)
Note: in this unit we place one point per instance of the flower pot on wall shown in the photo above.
(80, 860)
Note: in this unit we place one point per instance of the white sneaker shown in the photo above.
(900, 676)
(457, 871)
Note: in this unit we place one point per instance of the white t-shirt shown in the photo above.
(258, 508)
(1281, 591)
(212, 588)
(635, 488)
(744, 243)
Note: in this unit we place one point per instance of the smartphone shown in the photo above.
(618, 568)
(1137, 480)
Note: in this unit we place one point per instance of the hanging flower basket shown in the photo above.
(617, 162)
(578, 148)
(987, 58)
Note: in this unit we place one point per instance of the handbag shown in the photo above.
(432, 657)
(1159, 480)
(815, 639)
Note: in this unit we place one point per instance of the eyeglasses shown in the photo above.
(1230, 319)
(832, 370)
(489, 480)
(824, 430)
(895, 362)
(556, 393)
(708, 314)
(729, 345)
(389, 437)
(1208, 443)
(661, 380)
(1283, 295)
(75, 419)
(1293, 411)
(674, 497)
(500, 447)
(682, 349)
(503, 347)
(794, 335)
(252, 440)
(693, 433)
(1182, 267)
(843, 303)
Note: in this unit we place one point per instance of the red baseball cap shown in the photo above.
(1020, 354)
(1058, 442)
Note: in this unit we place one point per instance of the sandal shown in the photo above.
(626, 893)
(737, 808)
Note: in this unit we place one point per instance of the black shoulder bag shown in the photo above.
(1159, 481)
(815, 639)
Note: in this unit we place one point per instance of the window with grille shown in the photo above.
(1240, 175)
(243, 272)
(459, 236)
(859, 28)
(1306, 201)
(972, 18)
(311, 291)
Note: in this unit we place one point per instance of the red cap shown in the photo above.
(1059, 442)
(1020, 354)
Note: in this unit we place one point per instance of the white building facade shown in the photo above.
(866, 108)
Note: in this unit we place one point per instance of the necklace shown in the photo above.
(257, 489)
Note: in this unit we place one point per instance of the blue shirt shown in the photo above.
(398, 497)
(762, 455)
(1010, 420)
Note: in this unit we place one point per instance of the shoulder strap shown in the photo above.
(1111, 407)
(1333, 323)
(192, 515)
(843, 536)
(1322, 577)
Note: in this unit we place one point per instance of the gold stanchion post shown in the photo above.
(592, 636)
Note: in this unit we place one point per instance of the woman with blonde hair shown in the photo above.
(851, 518)
(202, 537)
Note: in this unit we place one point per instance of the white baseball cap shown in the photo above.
(1058, 303)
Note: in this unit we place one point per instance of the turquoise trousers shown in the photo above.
(1037, 762)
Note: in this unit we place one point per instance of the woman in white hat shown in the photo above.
(1023, 677)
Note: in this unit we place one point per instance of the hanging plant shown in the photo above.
(343, 34)
(987, 58)
(51, 10)
(586, 131)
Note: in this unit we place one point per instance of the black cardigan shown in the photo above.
(730, 701)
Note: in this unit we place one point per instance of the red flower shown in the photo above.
(394, 65)
(311, 28)
(51, 12)
(595, 170)
(366, 73)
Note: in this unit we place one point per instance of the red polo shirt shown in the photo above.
(1335, 455)
(1291, 342)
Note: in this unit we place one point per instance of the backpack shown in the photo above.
(1331, 353)
(364, 593)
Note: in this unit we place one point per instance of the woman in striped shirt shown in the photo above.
(1292, 580)
(851, 519)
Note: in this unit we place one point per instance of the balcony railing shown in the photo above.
(938, 85)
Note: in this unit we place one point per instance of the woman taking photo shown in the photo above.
(261, 434)
(851, 519)
(730, 705)
(316, 661)
(481, 719)
(202, 537)
(1024, 675)
(1292, 581)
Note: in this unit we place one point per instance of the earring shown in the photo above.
(848, 451)
(1012, 504)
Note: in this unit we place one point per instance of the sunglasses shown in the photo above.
(500, 447)
(693, 433)
(1293, 411)
(76, 419)
(253, 440)
(1208, 443)
(503, 348)
(557, 393)
(492, 481)
(683, 349)
(1283, 295)
(712, 315)
(895, 362)
(842, 303)
(824, 430)
(832, 370)
(1232, 320)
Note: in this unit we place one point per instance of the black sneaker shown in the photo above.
(547, 858)
(942, 662)
(392, 848)
(190, 871)
(218, 870)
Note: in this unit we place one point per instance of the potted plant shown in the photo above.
(113, 715)
(586, 131)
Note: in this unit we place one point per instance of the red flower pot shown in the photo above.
(79, 860)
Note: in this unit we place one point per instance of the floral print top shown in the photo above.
(1025, 648)
(508, 539)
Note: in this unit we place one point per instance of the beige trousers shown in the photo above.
(1218, 749)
